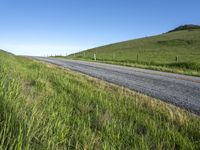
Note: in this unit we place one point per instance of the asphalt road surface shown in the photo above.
(180, 90)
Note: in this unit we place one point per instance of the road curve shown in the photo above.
(180, 90)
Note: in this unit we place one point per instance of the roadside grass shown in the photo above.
(43, 106)
(172, 52)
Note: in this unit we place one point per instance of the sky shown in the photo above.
(55, 27)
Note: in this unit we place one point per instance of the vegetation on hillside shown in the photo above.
(174, 52)
(186, 27)
(46, 107)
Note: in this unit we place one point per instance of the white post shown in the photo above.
(176, 58)
(95, 57)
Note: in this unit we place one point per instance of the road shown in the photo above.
(180, 90)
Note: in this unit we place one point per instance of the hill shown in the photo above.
(177, 51)
(186, 27)
(43, 106)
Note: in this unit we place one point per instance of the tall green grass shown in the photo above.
(46, 107)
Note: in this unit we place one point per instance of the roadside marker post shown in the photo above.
(95, 57)
(176, 58)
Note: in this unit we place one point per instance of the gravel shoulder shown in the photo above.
(180, 90)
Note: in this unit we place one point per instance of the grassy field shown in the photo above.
(43, 106)
(173, 52)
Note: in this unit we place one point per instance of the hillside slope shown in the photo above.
(186, 27)
(177, 51)
(46, 107)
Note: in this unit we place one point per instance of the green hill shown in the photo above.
(177, 51)
(186, 27)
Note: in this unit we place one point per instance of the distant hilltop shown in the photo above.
(186, 27)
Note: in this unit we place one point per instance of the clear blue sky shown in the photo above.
(41, 27)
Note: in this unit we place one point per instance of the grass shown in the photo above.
(156, 52)
(43, 106)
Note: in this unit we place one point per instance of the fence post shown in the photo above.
(95, 57)
(176, 58)
(113, 55)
